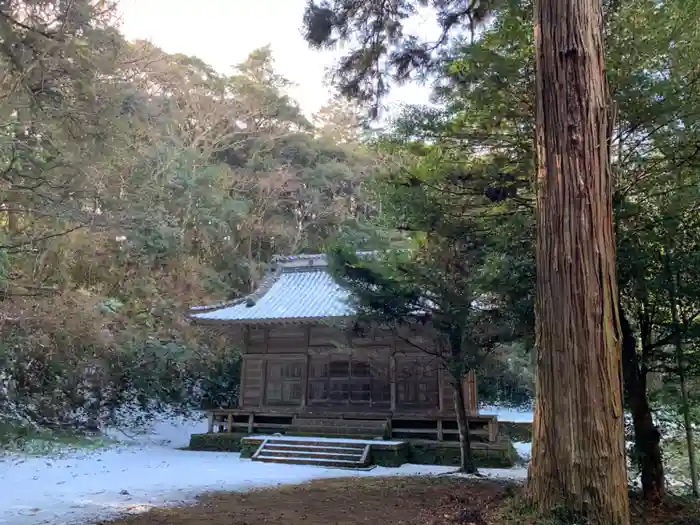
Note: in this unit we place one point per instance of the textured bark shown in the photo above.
(466, 458)
(647, 439)
(578, 457)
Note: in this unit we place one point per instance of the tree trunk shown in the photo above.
(466, 462)
(647, 439)
(687, 423)
(578, 456)
(678, 344)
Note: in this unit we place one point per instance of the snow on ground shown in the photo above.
(146, 470)
(509, 415)
(524, 450)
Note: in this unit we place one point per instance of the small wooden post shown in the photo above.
(230, 421)
(440, 436)
(251, 420)
(493, 430)
(210, 416)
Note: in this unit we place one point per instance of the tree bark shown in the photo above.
(647, 439)
(466, 463)
(578, 457)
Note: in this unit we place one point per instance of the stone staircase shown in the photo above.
(335, 453)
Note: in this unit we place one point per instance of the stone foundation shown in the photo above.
(500, 454)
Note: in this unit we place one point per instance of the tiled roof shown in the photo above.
(298, 289)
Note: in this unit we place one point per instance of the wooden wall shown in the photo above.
(288, 367)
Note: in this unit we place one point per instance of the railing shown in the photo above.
(481, 428)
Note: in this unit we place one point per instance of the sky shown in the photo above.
(224, 32)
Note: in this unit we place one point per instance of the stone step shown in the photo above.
(319, 462)
(291, 447)
(309, 442)
(311, 454)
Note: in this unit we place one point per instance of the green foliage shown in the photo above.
(507, 379)
(472, 158)
(137, 184)
(217, 442)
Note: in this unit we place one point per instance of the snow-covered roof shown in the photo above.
(298, 289)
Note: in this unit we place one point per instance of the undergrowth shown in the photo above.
(17, 439)
(675, 510)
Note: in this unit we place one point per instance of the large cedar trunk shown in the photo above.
(647, 439)
(578, 456)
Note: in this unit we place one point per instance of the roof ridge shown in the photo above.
(306, 256)
(263, 287)
(250, 299)
(281, 264)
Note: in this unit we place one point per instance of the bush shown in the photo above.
(218, 442)
(75, 371)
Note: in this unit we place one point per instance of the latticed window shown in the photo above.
(284, 382)
(349, 380)
(417, 385)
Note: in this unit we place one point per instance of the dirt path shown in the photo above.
(387, 501)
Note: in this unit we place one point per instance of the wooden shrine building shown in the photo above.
(307, 369)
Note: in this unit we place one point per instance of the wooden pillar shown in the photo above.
(242, 389)
(211, 422)
(263, 387)
(441, 388)
(251, 421)
(230, 422)
(470, 393)
(392, 379)
(305, 380)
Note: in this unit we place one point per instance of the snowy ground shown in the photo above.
(148, 470)
(513, 415)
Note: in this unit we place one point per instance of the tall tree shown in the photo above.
(444, 278)
(578, 455)
(577, 320)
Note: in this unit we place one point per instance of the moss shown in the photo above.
(390, 456)
(248, 448)
(502, 454)
(520, 432)
(433, 453)
(217, 442)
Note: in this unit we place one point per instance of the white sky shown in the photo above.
(224, 32)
